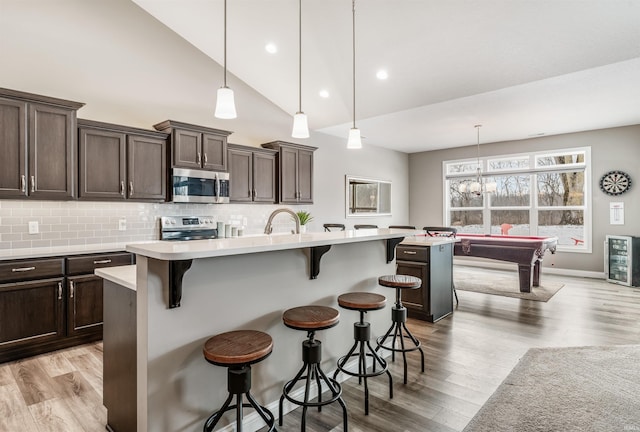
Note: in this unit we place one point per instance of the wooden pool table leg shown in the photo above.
(524, 275)
(536, 272)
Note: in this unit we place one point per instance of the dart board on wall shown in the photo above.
(615, 183)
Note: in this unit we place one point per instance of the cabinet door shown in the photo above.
(102, 156)
(416, 300)
(240, 175)
(146, 168)
(288, 175)
(31, 313)
(13, 139)
(305, 177)
(52, 167)
(264, 177)
(187, 149)
(214, 152)
(84, 305)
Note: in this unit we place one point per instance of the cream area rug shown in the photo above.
(587, 389)
(500, 282)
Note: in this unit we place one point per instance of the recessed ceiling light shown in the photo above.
(324, 94)
(271, 48)
(382, 74)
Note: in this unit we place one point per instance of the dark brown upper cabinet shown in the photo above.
(252, 174)
(196, 147)
(120, 162)
(295, 172)
(38, 139)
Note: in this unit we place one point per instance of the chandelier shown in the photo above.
(479, 186)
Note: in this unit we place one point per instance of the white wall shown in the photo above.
(611, 149)
(129, 69)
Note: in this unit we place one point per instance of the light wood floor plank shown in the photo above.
(54, 415)
(34, 383)
(14, 414)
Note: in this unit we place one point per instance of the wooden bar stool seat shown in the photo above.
(398, 331)
(238, 350)
(311, 319)
(363, 302)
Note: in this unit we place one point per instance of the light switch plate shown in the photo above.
(122, 224)
(33, 227)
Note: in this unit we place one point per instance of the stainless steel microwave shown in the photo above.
(197, 186)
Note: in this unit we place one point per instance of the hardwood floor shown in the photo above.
(467, 356)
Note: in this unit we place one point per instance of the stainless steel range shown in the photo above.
(187, 228)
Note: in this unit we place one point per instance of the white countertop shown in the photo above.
(425, 240)
(171, 251)
(122, 275)
(8, 254)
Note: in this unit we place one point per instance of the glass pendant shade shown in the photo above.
(225, 104)
(354, 141)
(300, 127)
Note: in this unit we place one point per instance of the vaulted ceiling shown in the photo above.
(521, 68)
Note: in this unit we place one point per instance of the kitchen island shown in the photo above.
(231, 284)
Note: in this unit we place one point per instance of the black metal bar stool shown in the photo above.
(399, 318)
(312, 319)
(238, 350)
(363, 302)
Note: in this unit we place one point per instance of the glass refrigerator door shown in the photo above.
(619, 251)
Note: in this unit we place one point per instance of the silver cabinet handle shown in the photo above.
(22, 269)
(205, 158)
(130, 188)
(105, 261)
(59, 290)
(409, 252)
(23, 183)
(198, 158)
(33, 183)
(122, 187)
(72, 287)
(254, 193)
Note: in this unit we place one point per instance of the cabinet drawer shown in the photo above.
(88, 263)
(412, 253)
(23, 270)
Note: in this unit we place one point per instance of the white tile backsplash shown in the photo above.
(66, 223)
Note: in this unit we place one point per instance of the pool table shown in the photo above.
(526, 251)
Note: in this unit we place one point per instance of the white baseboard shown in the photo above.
(512, 266)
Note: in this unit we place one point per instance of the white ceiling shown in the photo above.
(521, 68)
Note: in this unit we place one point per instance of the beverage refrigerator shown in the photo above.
(622, 260)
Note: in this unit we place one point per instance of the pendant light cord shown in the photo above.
(299, 56)
(225, 43)
(353, 5)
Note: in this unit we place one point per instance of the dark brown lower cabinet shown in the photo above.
(41, 310)
(84, 314)
(31, 314)
(434, 266)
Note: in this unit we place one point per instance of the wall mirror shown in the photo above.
(367, 197)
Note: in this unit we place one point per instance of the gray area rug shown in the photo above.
(567, 389)
(500, 282)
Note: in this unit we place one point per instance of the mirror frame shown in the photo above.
(349, 179)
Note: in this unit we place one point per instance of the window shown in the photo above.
(367, 197)
(540, 193)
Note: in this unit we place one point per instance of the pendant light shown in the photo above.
(478, 187)
(300, 127)
(354, 141)
(225, 103)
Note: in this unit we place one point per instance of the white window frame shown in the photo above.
(533, 207)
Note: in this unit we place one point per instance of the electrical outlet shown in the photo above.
(122, 224)
(33, 227)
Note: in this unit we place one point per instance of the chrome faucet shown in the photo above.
(268, 229)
